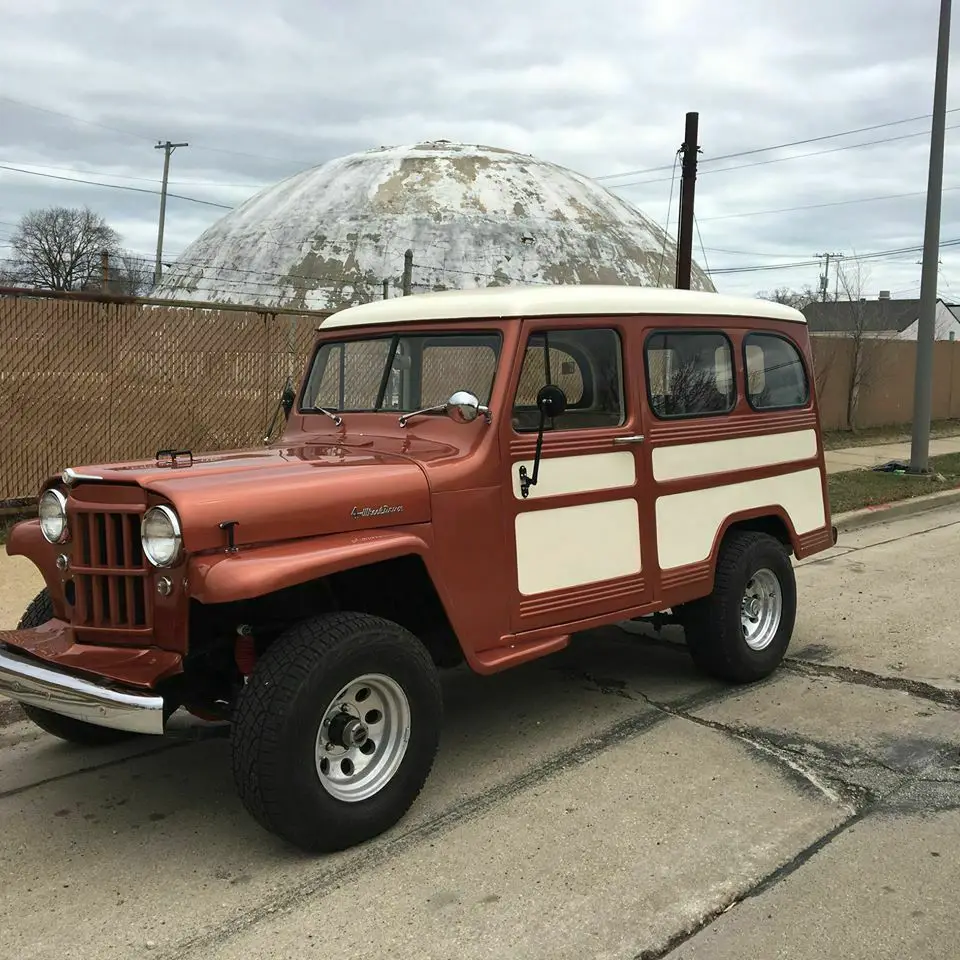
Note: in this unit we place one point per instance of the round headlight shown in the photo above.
(53, 516)
(160, 535)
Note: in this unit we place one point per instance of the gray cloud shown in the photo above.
(261, 90)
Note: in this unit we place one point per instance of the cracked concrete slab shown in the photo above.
(886, 605)
(624, 849)
(884, 889)
(843, 724)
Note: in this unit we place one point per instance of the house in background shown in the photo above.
(883, 318)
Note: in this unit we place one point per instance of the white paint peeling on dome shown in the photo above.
(474, 217)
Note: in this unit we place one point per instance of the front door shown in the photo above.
(575, 538)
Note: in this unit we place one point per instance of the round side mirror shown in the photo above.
(551, 400)
(463, 407)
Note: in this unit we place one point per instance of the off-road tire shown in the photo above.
(279, 713)
(712, 625)
(65, 728)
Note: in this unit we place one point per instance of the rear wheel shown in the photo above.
(336, 731)
(66, 728)
(740, 633)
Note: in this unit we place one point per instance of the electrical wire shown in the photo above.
(666, 225)
(778, 146)
(113, 186)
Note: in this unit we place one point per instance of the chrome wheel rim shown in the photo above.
(761, 609)
(363, 737)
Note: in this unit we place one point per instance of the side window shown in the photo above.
(776, 376)
(690, 374)
(587, 365)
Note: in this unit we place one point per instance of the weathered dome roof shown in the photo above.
(472, 215)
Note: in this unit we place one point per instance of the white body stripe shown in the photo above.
(687, 523)
(580, 474)
(572, 546)
(742, 453)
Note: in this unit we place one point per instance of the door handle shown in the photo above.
(635, 438)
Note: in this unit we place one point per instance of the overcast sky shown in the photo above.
(263, 90)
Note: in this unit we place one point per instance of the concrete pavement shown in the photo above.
(864, 458)
(607, 802)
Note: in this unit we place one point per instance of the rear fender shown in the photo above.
(259, 571)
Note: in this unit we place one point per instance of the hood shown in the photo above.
(280, 492)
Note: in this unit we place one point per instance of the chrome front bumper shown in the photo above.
(27, 681)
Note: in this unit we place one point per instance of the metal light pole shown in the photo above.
(926, 327)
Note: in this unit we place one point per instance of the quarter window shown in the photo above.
(586, 364)
(690, 374)
(776, 376)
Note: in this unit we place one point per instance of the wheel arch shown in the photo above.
(384, 574)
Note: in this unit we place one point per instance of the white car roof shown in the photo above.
(556, 300)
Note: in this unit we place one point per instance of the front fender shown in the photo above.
(27, 541)
(258, 571)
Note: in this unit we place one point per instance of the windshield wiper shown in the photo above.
(332, 414)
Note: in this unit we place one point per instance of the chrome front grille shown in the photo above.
(109, 570)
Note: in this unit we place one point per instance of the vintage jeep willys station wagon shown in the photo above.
(471, 475)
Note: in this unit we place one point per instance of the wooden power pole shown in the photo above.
(407, 272)
(688, 184)
(167, 149)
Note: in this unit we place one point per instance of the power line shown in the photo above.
(127, 176)
(778, 146)
(112, 186)
(797, 156)
(816, 206)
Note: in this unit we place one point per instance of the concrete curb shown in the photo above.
(885, 512)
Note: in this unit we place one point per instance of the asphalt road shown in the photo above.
(605, 803)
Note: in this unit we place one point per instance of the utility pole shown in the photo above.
(167, 149)
(105, 269)
(386, 289)
(407, 272)
(825, 276)
(926, 327)
(688, 184)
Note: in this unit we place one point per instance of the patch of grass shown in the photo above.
(896, 433)
(856, 489)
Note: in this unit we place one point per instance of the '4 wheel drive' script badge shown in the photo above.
(358, 512)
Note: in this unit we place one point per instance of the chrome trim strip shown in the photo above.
(49, 688)
(70, 476)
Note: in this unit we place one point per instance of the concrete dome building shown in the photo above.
(473, 216)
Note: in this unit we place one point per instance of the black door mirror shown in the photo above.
(551, 402)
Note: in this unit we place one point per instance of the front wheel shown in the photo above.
(740, 633)
(336, 731)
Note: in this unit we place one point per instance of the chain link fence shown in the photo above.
(86, 380)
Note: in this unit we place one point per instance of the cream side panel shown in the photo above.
(580, 474)
(687, 523)
(572, 546)
(743, 453)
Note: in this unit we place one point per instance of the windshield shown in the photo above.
(402, 373)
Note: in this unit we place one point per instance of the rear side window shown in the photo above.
(776, 376)
(690, 374)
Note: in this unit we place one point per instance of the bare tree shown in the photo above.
(130, 275)
(797, 299)
(866, 341)
(59, 248)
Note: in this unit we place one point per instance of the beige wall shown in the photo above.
(886, 393)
